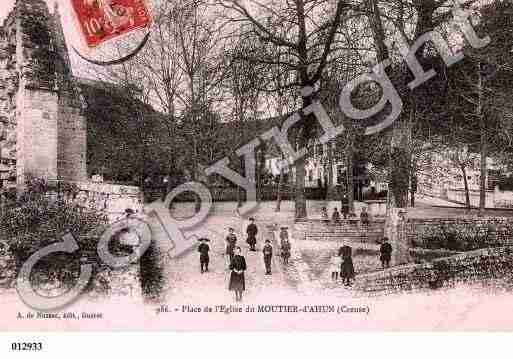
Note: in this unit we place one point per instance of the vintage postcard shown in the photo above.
(256, 166)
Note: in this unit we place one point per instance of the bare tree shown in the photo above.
(306, 31)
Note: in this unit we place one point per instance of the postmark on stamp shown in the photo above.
(104, 20)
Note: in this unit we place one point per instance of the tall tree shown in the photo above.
(306, 30)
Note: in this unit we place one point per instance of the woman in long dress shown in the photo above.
(347, 268)
(237, 280)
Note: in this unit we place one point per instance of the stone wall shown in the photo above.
(499, 230)
(43, 131)
(111, 199)
(345, 230)
(472, 266)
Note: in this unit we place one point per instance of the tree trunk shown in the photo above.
(484, 142)
(350, 177)
(258, 175)
(302, 142)
(330, 187)
(399, 168)
(280, 184)
(465, 183)
(239, 189)
(482, 189)
(300, 200)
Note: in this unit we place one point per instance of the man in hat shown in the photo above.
(268, 255)
(231, 242)
(386, 253)
(203, 250)
(252, 231)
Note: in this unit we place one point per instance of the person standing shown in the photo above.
(345, 206)
(252, 231)
(324, 214)
(285, 250)
(347, 268)
(335, 265)
(335, 217)
(231, 242)
(268, 256)
(284, 234)
(203, 249)
(364, 217)
(386, 253)
(237, 280)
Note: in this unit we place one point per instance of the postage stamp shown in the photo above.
(104, 20)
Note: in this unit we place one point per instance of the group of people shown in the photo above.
(236, 261)
(335, 217)
(342, 262)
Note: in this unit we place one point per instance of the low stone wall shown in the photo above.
(354, 231)
(492, 230)
(494, 199)
(111, 199)
(444, 272)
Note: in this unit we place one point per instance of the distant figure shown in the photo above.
(268, 256)
(335, 217)
(97, 178)
(335, 265)
(237, 280)
(364, 217)
(285, 250)
(252, 231)
(231, 241)
(386, 253)
(129, 212)
(345, 206)
(347, 268)
(284, 235)
(203, 249)
(324, 213)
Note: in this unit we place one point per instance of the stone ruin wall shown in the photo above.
(43, 131)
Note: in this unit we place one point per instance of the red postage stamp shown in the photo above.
(103, 20)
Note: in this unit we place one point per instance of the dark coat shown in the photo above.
(203, 249)
(285, 249)
(347, 268)
(267, 250)
(237, 280)
(335, 216)
(231, 240)
(364, 217)
(252, 231)
(386, 251)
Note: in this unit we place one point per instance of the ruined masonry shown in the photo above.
(43, 132)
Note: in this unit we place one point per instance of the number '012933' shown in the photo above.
(27, 346)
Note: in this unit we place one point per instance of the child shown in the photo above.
(203, 249)
(335, 265)
(285, 250)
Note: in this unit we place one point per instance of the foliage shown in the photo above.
(39, 219)
(457, 237)
(152, 273)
